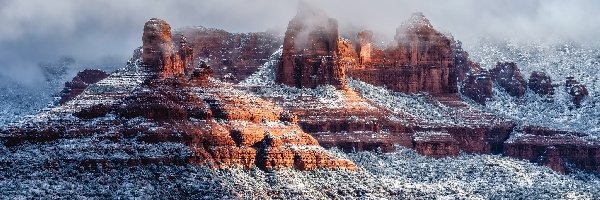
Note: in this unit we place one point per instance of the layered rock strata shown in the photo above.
(555, 149)
(421, 60)
(156, 103)
(232, 56)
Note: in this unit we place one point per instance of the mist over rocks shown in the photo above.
(311, 51)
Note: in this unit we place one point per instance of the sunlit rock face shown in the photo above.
(161, 54)
(158, 100)
(421, 60)
(311, 51)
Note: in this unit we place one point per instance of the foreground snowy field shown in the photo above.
(404, 175)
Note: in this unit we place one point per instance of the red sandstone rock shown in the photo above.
(225, 127)
(552, 160)
(80, 82)
(232, 56)
(311, 51)
(421, 61)
(221, 126)
(553, 148)
(201, 74)
(478, 87)
(160, 54)
(365, 47)
(464, 65)
(508, 76)
(541, 84)
(184, 51)
(435, 144)
(577, 91)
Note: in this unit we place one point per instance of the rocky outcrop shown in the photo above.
(577, 91)
(161, 54)
(365, 47)
(508, 76)
(214, 123)
(422, 60)
(208, 122)
(311, 51)
(435, 144)
(79, 83)
(201, 74)
(541, 84)
(478, 87)
(554, 148)
(464, 66)
(232, 56)
(553, 160)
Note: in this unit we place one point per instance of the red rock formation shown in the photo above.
(508, 76)
(552, 159)
(185, 52)
(422, 60)
(554, 148)
(80, 82)
(478, 87)
(200, 75)
(577, 91)
(365, 47)
(435, 144)
(311, 51)
(219, 125)
(464, 65)
(232, 56)
(160, 54)
(541, 84)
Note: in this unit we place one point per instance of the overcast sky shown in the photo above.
(96, 32)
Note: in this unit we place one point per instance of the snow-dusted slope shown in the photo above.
(17, 100)
(403, 175)
(558, 60)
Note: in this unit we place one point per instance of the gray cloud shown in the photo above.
(94, 31)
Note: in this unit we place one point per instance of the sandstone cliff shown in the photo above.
(232, 56)
(161, 54)
(421, 60)
(311, 51)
